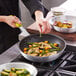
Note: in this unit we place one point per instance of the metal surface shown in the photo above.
(33, 71)
(36, 38)
(23, 33)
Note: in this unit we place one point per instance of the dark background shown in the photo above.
(26, 18)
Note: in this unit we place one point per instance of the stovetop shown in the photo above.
(65, 65)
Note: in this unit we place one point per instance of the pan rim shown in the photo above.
(43, 34)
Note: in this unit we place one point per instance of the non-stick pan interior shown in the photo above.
(45, 37)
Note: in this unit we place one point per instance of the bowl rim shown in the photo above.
(22, 63)
(45, 56)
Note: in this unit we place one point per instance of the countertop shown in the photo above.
(10, 54)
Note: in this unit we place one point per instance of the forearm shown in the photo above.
(12, 21)
(2, 18)
(39, 15)
(33, 5)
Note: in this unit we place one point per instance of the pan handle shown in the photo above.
(23, 33)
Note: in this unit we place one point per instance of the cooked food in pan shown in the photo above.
(15, 72)
(41, 49)
(63, 25)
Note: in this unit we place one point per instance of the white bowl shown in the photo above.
(33, 71)
(65, 30)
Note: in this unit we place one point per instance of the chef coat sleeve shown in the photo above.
(33, 5)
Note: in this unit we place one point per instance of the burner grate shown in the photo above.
(47, 65)
(58, 67)
(63, 73)
(68, 66)
(70, 63)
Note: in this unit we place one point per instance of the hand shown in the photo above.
(12, 20)
(43, 26)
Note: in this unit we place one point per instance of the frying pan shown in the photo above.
(45, 37)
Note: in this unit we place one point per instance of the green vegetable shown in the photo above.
(51, 50)
(32, 52)
(0, 74)
(26, 72)
(34, 46)
(30, 43)
(13, 69)
(4, 73)
(43, 52)
(8, 71)
(52, 45)
(12, 74)
(15, 72)
(17, 69)
(28, 75)
(20, 72)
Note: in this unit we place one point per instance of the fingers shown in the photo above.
(16, 20)
(12, 21)
(48, 27)
(45, 27)
(13, 25)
